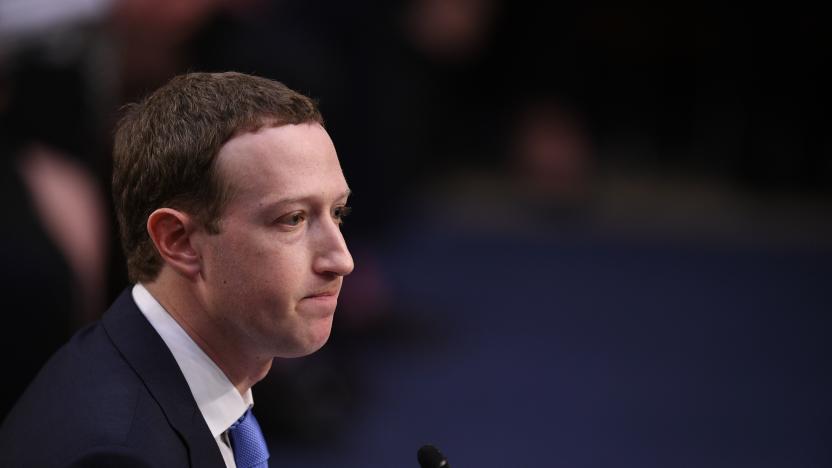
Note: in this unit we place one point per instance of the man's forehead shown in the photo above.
(293, 160)
(292, 135)
(282, 149)
(285, 152)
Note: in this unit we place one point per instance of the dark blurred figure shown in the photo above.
(551, 154)
(54, 245)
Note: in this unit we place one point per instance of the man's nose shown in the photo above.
(333, 257)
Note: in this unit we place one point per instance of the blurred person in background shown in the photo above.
(54, 249)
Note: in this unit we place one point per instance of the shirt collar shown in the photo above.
(218, 400)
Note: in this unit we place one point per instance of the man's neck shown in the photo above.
(242, 367)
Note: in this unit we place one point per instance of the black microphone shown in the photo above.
(430, 457)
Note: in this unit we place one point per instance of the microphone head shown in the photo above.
(430, 457)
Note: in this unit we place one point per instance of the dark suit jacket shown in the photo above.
(111, 397)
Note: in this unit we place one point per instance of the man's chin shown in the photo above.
(315, 339)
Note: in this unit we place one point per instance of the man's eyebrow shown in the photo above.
(288, 200)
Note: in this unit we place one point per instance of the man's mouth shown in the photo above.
(331, 292)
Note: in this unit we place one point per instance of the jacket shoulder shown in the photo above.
(86, 404)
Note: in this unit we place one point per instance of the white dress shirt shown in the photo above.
(218, 400)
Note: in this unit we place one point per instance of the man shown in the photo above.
(229, 197)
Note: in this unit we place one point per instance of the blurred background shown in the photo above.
(585, 235)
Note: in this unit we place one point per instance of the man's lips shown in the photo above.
(328, 293)
(324, 302)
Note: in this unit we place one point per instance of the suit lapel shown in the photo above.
(151, 359)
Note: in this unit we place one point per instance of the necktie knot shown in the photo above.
(247, 442)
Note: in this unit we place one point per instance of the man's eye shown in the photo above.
(292, 219)
(340, 213)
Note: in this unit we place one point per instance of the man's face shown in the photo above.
(270, 279)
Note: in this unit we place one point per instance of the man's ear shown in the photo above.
(171, 231)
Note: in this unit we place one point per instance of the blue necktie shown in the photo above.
(247, 441)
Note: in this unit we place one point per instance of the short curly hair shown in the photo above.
(166, 146)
